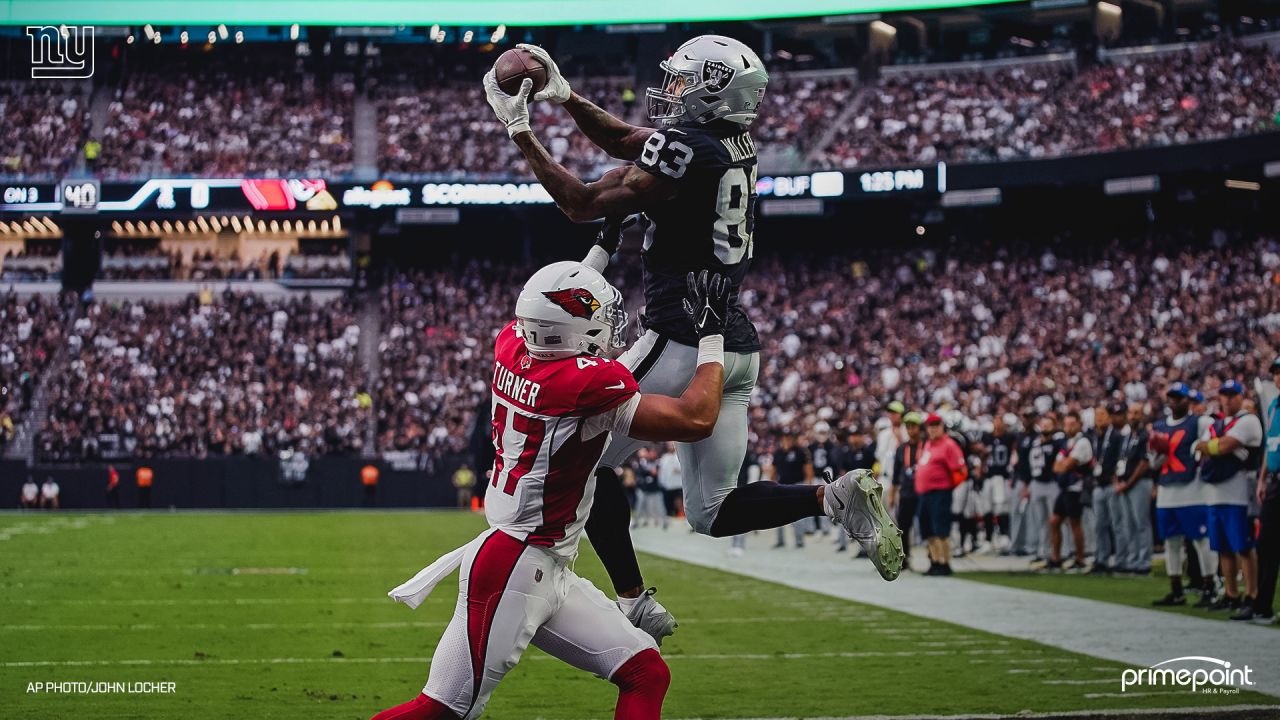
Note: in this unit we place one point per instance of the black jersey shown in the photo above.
(1044, 450)
(705, 225)
(999, 454)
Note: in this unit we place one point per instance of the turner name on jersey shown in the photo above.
(707, 224)
(550, 420)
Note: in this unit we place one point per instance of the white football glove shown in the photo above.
(557, 88)
(512, 110)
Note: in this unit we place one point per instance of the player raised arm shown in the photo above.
(619, 139)
(621, 191)
(692, 416)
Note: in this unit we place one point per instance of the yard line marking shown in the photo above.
(1223, 711)
(321, 660)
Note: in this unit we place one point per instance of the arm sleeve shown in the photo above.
(617, 420)
(1082, 453)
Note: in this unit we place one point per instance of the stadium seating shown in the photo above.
(213, 120)
(238, 376)
(216, 118)
(977, 329)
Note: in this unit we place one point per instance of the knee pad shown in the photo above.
(645, 672)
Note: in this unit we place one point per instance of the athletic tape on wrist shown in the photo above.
(597, 258)
(711, 349)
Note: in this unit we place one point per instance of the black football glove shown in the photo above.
(610, 235)
(708, 303)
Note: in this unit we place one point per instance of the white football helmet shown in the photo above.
(710, 77)
(567, 309)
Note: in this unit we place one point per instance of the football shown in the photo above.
(514, 65)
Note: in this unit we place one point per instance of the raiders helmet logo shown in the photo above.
(578, 302)
(716, 75)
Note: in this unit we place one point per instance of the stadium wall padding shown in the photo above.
(239, 482)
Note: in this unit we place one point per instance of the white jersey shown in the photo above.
(550, 420)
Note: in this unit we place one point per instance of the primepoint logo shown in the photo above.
(1195, 672)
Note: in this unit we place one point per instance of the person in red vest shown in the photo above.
(113, 487)
(940, 469)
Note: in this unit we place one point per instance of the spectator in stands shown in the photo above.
(940, 469)
(1072, 464)
(1227, 468)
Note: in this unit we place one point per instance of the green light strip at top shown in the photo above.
(443, 12)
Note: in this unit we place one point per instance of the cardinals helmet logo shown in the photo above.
(578, 302)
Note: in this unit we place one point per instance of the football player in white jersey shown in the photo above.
(556, 399)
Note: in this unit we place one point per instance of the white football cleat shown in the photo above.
(648, 614)
(853, 502)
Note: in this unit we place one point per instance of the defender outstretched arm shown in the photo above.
(688, 418)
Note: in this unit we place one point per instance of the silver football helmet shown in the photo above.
(710, 77)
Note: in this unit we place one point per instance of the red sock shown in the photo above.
(642, 683)
(422, 707)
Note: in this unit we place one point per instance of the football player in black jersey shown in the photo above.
(694, 179)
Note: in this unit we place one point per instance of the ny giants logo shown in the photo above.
(61, 53)
(578, 302)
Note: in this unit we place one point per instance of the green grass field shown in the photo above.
(304, 630)
(1137, 591)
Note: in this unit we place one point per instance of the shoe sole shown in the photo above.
(889, 556)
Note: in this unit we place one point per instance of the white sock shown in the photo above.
(1208, 558)
(1173, 556)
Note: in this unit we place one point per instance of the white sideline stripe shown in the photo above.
(1136, 637)
(441, 623)
(320, 660)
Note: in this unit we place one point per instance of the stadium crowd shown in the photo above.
(1214, 91)
(215, 118)
(30, 331)
(220, 120)
(41, 127)
(447, 129)
(234, 374)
